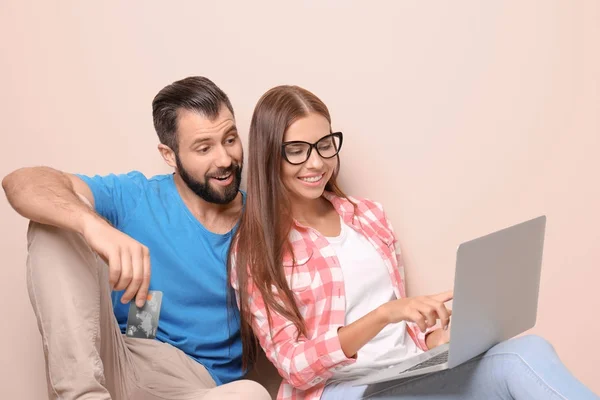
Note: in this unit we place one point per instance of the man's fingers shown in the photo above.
(114, 268)
(142, 293)
(137, 273)
(126, 271)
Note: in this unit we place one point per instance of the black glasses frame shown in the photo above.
(311, 146)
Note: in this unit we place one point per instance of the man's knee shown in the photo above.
(253, 390)
(41, 236)
(55, 254)
(48, 240)
(247, 390)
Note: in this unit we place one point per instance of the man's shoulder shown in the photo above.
(154, 186)
(159, 180)
(133, 184)
(140, 177)
(133, 176)
(143, 182)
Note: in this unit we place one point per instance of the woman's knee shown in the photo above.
(535, 343)
(528, 348)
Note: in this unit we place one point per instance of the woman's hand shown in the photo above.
(422, 310)
(437, 338)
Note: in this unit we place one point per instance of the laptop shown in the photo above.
(496, 289)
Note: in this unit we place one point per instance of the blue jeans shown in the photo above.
(522, 368)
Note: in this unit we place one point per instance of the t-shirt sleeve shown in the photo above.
(116, 196)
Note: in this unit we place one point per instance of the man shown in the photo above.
(88, 262)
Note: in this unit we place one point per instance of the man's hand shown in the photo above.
(52, 197)
(128, 260)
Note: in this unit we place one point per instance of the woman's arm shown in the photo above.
(305, 362)
(423, 311)
(354, 336)
(302, 362)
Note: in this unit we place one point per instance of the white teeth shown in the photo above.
(312, 179)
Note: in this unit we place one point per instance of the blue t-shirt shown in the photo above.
(188, 265)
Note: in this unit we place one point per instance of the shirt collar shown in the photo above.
(343, 206)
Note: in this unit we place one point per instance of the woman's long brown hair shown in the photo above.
(261, 239)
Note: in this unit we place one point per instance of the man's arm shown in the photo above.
(51, 197)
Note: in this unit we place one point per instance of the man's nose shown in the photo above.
(223, 159)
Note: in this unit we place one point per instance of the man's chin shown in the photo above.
(225, 194)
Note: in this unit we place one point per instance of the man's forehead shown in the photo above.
(192, 123)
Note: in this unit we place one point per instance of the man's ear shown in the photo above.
(168, 155)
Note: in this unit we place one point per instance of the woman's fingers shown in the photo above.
(428, 310)
(441, 311)
(444, 296)
(418, 318)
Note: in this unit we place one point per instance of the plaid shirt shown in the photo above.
(307, 362)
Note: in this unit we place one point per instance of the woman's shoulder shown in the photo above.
(362, 206)
(367, 203)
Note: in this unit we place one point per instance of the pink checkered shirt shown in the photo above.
(307, 362)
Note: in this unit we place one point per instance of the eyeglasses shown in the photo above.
(298, 152)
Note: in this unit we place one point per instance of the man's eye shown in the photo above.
(231, 140)
(203, 150)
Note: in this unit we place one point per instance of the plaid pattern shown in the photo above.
(307, 362)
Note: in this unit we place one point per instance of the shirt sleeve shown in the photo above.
(115, 196)
(302, 362)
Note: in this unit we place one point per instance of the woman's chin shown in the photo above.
(306, 194)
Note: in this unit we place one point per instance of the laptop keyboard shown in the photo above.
(439, 359)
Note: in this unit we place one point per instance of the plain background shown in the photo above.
(461, 117)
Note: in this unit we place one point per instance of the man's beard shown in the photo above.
(205, 191)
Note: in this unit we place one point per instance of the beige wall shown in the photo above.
(461, 117)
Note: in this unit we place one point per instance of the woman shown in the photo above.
(319, 283)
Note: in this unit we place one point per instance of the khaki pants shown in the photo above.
(87, 357)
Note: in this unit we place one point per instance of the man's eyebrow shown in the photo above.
(232, 129)
(201, 140)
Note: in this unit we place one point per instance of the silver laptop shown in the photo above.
(496, 288)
